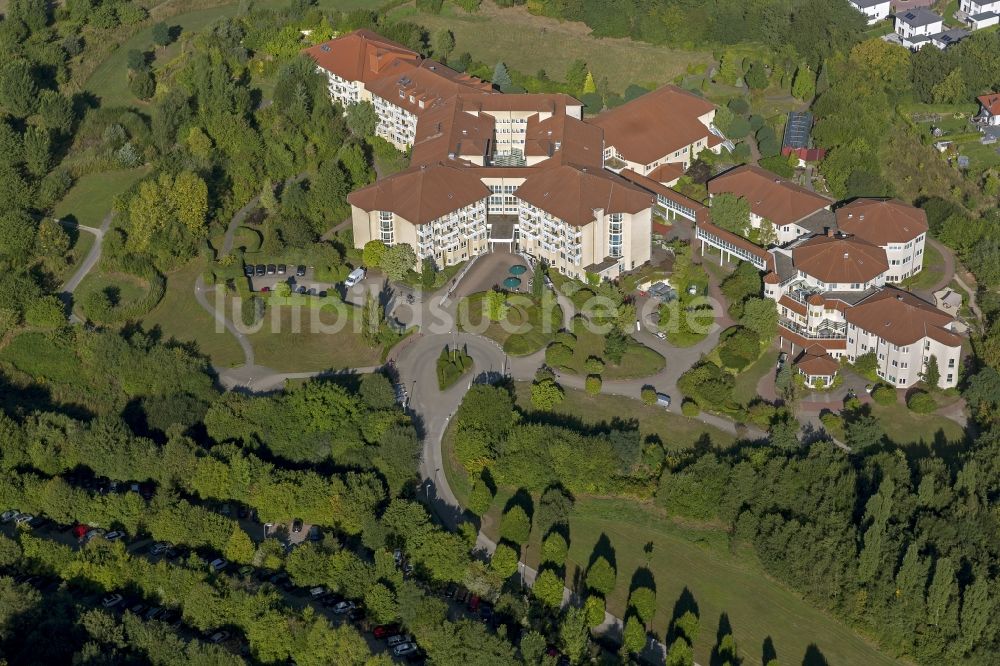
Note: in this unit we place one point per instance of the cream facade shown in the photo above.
(905, 259)
(904, 365)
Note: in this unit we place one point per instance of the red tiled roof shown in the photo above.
(656, 124)
(902, 319)
(815, 362)
(840, 260)
(573, 193)
(421, 87)
(667, 173)
(882, 221)
(991, 102)
(361, 55)
(771, 197)
(792, 304)
(423, 193)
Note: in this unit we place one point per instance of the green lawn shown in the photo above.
(91, 197)
(903, 426)
(178, 316)
(126, 288)
(511, 35)
(980, 157)
(698, 558)
(288, 343)
(528, 328)
(677, 432)
(638, 361)
(745, 387)
(932, 271)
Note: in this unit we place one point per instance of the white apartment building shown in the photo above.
(915, 27)
(904, 332)
(874, 10)
(897, 228)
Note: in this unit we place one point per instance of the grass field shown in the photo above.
(695, 558)
(524, 331)
(126, 288)
(287, 342)
(528, 43)
(677, 432)
(932, 271)
(745, 386)
(905, 427)
(178, 316)
(638, 361)
(91, 197)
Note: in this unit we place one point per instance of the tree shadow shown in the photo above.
(521, 498)
(768, 653)
(725, 629)
(685, 603)
(814, 657)
(603, 548)
(642, 577)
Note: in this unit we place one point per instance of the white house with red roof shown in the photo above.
(990, 109)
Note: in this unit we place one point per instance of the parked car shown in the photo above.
(344, 607)
(315, 533)
(154, 612)
(782, 357)
(317, 592)
(404, 649)
(159, 548)
(218, 637)
(245, 571)
(138, 608)
(265, 290)
(271, 269)
(398, 639)
(260, 270)
(869, 388)
(474, 603)
(386, 631)
(22, 518)
(114, 535)
(300, 271)
(354, 277)
(297, 525)
(661, 335)
(217, 565)
(281, 269)
(111, 600)
(663, 400)
(300, 290)
(8, 516)
(248, 270)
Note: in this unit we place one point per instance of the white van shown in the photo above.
(355, 276)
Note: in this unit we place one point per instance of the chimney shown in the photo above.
(899, 297)
(829, 232)
(850, 216)
(846, 255)
(861, 217)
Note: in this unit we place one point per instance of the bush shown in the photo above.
(451, 365)
(690, 408)
(833, 423)
(504, 560)
(594, 608)
(515, 525)
(648, 395)
(740, 348)
(884, 394)
(558, 355)
(921, 402)
(251, 310)
(594, 365)
(593, 384)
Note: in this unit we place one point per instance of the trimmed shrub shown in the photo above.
(648, 395)
(884, 394)
(594, 608)
(690, 408)
(558, 355)
(593, 384)
(921, 402)
(594, 365)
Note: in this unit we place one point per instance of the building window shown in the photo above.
(385, 227)
(951, 363)
(615, 235)
(949, 377)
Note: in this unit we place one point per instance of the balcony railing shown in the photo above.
(827, 331)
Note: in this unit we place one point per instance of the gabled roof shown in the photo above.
(572, 193)
(538, 102)
(564, 137)
(639, 129)
(918, 17)
(771, 197)
(882, 221)
(991, 102)
(423, 193)
(445, 131)
(839, 259)
(902, 319)
(361, 55)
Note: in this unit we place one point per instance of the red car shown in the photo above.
(474, 603)
(80, 531)
(386, 630)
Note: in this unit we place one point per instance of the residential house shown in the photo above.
(943, 40)
(915, 27)
(980, 14)
(781, 209)
(874, 10)
(989, 113)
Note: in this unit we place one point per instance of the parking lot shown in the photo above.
(299, 277)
